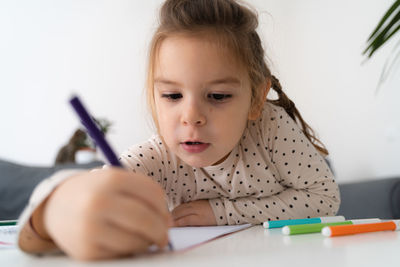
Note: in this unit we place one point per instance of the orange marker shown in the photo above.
(361, 228)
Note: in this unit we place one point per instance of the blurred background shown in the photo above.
(97, 49)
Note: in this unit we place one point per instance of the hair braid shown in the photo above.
(290, 108)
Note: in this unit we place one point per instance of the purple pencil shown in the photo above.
(94, 132)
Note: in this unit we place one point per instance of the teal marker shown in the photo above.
(282, 223)
(8, 223)
(317, 227)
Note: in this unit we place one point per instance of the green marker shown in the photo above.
(317, 227)
(8, 223)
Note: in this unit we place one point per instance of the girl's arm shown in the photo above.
(288, 204)
(102, 214)
(312, 196)
(31, 239)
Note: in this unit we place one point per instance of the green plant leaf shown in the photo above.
(392, 33)
(383, 32)
(382, 38)
(384, 18)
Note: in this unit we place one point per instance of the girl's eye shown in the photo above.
(172, 97)
(219, 97)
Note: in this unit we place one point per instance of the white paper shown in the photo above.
(8, 235)
(180, 237)
(186, 237)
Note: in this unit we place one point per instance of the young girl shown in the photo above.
(224, 153)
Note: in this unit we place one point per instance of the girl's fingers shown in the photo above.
(118, 242)
(142, 187)
(188, 220)
(93, 252)
(198, 212)
(135, 218)
(135, 203)
(182, 211)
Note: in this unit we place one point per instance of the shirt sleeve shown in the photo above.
(27, 239)
(308, 185)
(288, 204)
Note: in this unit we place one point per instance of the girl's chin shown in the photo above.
(222, 160)
(201, 162)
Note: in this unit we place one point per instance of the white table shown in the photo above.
(254, 246)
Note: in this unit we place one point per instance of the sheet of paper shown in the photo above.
(8, 235)
(180, 237)
(187, 237)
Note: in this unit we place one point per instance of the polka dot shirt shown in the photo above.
(273, 173)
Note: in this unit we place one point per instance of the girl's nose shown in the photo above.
(193, 115)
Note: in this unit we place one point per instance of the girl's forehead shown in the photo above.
(202, 52)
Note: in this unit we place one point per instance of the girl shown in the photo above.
(224, 153)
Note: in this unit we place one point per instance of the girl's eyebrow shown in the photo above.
(166, 81)
(225, 80)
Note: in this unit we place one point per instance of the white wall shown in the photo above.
(49, 49)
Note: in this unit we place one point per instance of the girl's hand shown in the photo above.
(106, 213)
(194, 213)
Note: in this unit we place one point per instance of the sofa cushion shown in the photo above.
(395, 197)
(378, 198)
(17, 182)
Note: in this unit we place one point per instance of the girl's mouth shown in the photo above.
(194, 146)
(193, 143)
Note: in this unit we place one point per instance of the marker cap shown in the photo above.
(326, 231)
(286, 230)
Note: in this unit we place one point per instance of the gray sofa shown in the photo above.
(18, 181)
(379, 198)
(367, 199)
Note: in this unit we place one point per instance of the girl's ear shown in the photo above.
(258, 104)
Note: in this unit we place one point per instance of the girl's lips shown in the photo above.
(194, 147)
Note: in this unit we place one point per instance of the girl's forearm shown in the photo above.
(33, 237)
(288, 204)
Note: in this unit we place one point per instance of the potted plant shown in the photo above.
(87, 152)
(80, 147)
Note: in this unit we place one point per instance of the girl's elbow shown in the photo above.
(334, 202)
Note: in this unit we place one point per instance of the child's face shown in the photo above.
(202, 98)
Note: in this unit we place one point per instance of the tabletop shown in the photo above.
(252, 246)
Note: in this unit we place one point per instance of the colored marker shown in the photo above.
(97, 135)
(282, 223)
(360, 228)
(8, 222)
(317, 227)
(94, 132)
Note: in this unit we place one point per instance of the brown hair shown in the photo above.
(234, 25)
